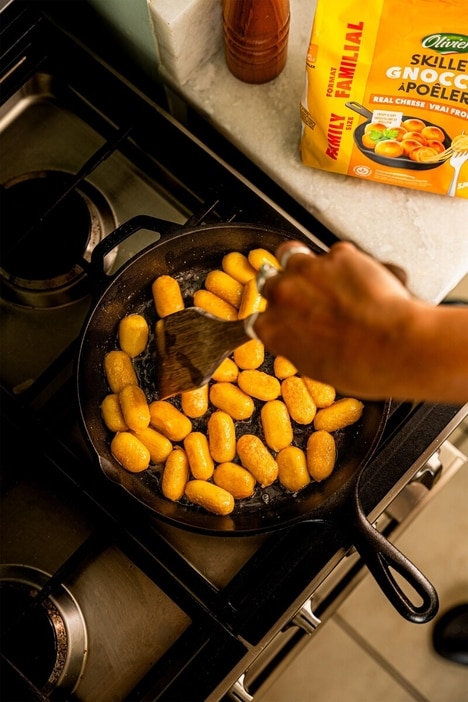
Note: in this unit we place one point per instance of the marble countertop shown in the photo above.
(426, 234)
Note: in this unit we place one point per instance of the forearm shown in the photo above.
(344, 319)
(434, 355)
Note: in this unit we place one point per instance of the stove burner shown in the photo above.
(45, 237)
(46, 642)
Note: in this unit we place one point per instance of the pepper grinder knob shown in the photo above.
(256, 34)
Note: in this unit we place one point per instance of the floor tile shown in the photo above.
(437, 542)
(334, 668)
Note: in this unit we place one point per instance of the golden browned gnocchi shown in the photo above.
(167, 295)
(320, 454)
(130, 452)
(238, 267)
(214, 305)
(157, 444)
(221, 436)
(235, 479)
(255, 456)
(133, 334)
(276, 423)
(283, 368)
(297, 399)
(111, 412)
(226, 372)
(250, 355)
(119, 370)
(210, 496)
(258, 257)
(251, 301)
(175, 475)
(224, 286)
(292, 468)
(340, 414)
(198, 453)
(134, 407)
(195, 402)
(322, 394)
(231, 399)
(170, 421)
(258, 384)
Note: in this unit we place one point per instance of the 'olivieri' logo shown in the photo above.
(446, 43)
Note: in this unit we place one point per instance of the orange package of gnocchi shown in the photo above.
(386, 93)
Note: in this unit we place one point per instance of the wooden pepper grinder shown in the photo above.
(256, 36)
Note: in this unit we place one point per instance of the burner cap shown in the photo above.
(45, 641)
(46, 234)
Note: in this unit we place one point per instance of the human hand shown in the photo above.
(337, 317)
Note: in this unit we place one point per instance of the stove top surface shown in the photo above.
(156, 606)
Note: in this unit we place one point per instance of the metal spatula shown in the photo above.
(192, 343)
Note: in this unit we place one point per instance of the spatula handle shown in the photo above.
(265, 271)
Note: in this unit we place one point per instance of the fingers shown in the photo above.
(397, 272)
(285, 251)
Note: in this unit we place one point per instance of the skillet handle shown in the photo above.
(121, 233)
(380, 556)
(360, 109)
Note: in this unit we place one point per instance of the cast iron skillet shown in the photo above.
(188, 254)
(401, 161)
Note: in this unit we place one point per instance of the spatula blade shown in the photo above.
(190, 346)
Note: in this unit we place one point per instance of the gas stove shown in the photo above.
(101, 600)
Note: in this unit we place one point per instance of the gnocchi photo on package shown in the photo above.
(386, 93)
(256, 423)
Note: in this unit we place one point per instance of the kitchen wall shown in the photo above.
(130, 24)
(171, 36)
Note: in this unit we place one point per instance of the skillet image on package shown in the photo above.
(415, 144)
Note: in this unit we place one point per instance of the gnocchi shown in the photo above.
(130, 452)
(293, 473)
(157, 444)
(231, 399)
(133, 334)
(111, 412)
(195, 402)
(119, 370)
(299, 402)
(167, 295)
(322, 394)
(221, 436)
(224, 286)
(258, 384)
(199, 457)
(175, 475)
(251, 300)
(237, 265)
(134, 406)
(210, 496)
(169, 420)
(255, 456)
(195, 448)
(276, 424)
(321, 454)
(235, 479)
(213, 304)
(250, 355)
(339, 415)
